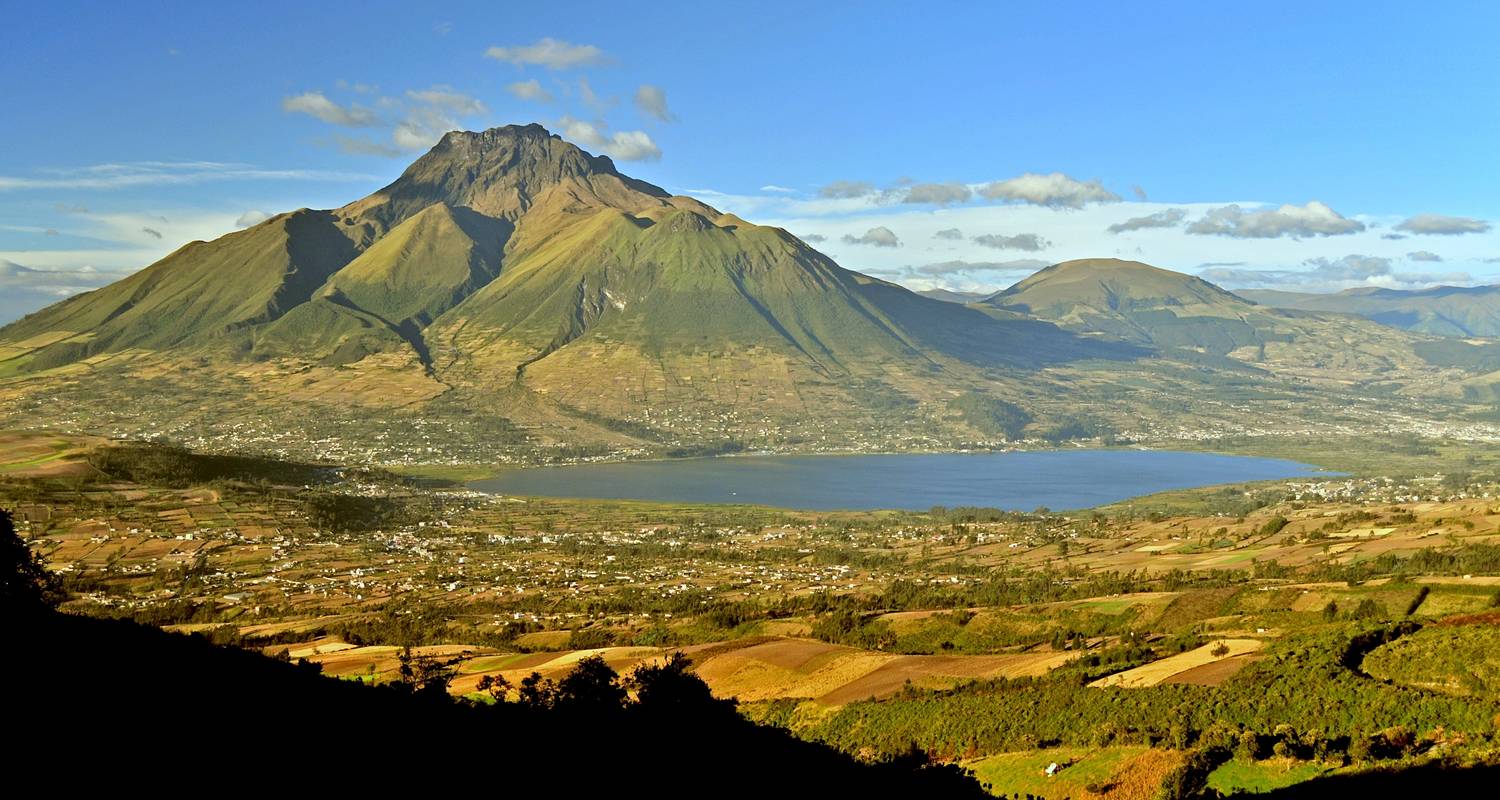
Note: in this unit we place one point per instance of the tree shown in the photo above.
(536, 691)
(592, 685)
(1219, 650)
(670, 684)
(1367, 609)
(496, 686)
(427, 676)
(1330, 611)
(26, 585)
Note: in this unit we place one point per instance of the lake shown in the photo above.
(1057, 479)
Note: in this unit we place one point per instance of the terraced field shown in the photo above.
(1208, 665)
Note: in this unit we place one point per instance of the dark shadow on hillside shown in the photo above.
(999, 339)
(96, 703)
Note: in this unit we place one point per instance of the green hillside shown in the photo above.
(1139, 303)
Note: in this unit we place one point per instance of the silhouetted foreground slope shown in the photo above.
(120, 696)
(101, 702)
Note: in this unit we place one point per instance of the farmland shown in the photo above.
(1164, 634)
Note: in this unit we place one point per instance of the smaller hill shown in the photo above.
(1138, 303)
(1461, 311)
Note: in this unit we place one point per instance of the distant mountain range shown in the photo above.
(1442, 310)
(509, 275)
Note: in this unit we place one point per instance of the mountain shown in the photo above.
(1186, 318)
(1462, 311)
(510, 271)
(1137, 302)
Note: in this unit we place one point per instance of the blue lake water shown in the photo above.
(1061, 479)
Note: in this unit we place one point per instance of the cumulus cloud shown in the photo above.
(529, 90)
(1439, 225)
(1331, 274)
(1028, 242)
(879, 236)
(251, 217)
(967, 267)
(432, 112)
(620, 145)
(553, 54)
(652, 101)
(446, 98)
(951, 234)
(1424, 255)
(843, 190)
(1054, 190)
(937, 193)
(316, 104)
(814, 238)
(1351, 267)
(1166, 218)
(1313, 219)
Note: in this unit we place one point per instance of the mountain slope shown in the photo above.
(198, 294)
(1441, 310)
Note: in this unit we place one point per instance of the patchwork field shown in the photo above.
(1208, 665)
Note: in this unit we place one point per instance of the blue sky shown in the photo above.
(129, 132)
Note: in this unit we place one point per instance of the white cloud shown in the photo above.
(251, 217)
(1054, 190)
(846, 190)
(550, 53)
(446, 98)
(1028, 242)
(879, 236)
(951, 234)
(1167, 218)
(1424, 255)
(1331, 274)
(771, 187)
(529, 90)
(652, 101)
(1313, 219)
(620, 145)
(1439, 225)
(937, 193)
(432, 112)
(316, 104)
